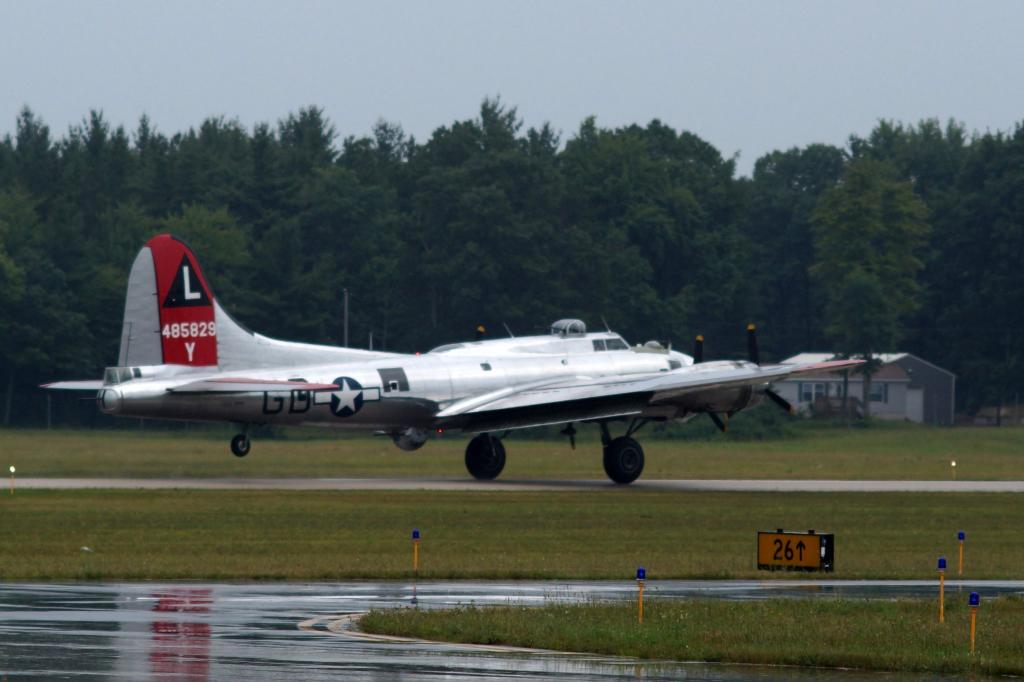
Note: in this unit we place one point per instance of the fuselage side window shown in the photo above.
(393, 379)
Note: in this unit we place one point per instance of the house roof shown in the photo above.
(885, 358)
(801, 358)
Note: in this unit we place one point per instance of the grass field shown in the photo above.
(601, 534)
(900, 635)
(882, 452)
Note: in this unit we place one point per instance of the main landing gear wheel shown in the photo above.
(623, 460)
(240, 445)
(485, 457)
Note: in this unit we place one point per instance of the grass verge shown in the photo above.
(890, 451)
(601, 534)
(900, 635)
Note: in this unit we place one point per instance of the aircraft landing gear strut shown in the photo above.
(485, 457)
(240, 445)
(623, 456)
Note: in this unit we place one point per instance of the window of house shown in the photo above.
(879, 392)
(811, 390)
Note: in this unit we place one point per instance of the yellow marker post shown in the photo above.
(415, 550)
(942, 589)
(641, 575)
(961, 536)
(974, 601)
(12, 479)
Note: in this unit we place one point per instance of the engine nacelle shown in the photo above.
(409, 439)
(733, 400)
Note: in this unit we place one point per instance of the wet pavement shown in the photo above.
(275, 631)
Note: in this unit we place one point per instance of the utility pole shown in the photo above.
(344, 294)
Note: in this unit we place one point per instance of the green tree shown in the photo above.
(868, 233)
(781, 197)
(43, 333)
(983, 311)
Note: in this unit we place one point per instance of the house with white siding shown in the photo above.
(905, 387)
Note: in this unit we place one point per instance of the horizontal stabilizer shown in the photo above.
(242, 385)
(89, 385)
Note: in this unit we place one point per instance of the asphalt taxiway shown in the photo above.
(460, 484)
(303, 631)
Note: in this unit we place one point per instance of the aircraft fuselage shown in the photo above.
(396, 392)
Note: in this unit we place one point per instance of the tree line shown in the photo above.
(909, 238)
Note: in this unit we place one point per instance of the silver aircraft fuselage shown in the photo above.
(398, 392)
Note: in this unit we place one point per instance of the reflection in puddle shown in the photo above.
(181, 648)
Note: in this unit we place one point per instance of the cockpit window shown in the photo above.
(599, 345)
(616, 344)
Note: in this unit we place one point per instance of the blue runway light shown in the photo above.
(415, 533)
(974, 600)
(641, 573)
(961, 536)
(942, 563)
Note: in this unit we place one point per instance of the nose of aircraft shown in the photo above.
(110, 400)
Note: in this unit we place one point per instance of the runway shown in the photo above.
(467, 485)
(300, 631)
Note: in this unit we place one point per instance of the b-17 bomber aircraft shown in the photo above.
(184, 357)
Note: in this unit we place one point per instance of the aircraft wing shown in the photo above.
(243, 385)
(589, 398)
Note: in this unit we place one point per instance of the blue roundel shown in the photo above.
(348, 398)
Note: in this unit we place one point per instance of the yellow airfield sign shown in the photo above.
(782, 550)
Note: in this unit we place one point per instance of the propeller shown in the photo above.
(780, 401)
(570, 431)
(755, 358)
(722, 424)
(752, 344)
(698, 349)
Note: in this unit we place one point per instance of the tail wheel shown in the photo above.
(485, 457)
(623, 460)
(240, 445)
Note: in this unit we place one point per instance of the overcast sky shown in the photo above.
(749, 77)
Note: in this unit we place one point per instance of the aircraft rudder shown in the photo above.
(188, 327)
(169, 308)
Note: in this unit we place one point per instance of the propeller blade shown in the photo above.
(752, 344)
(698, 349)
(780, 401)
(570, 431)
(722, 424)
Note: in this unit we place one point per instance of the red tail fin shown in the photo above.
(188, 329)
